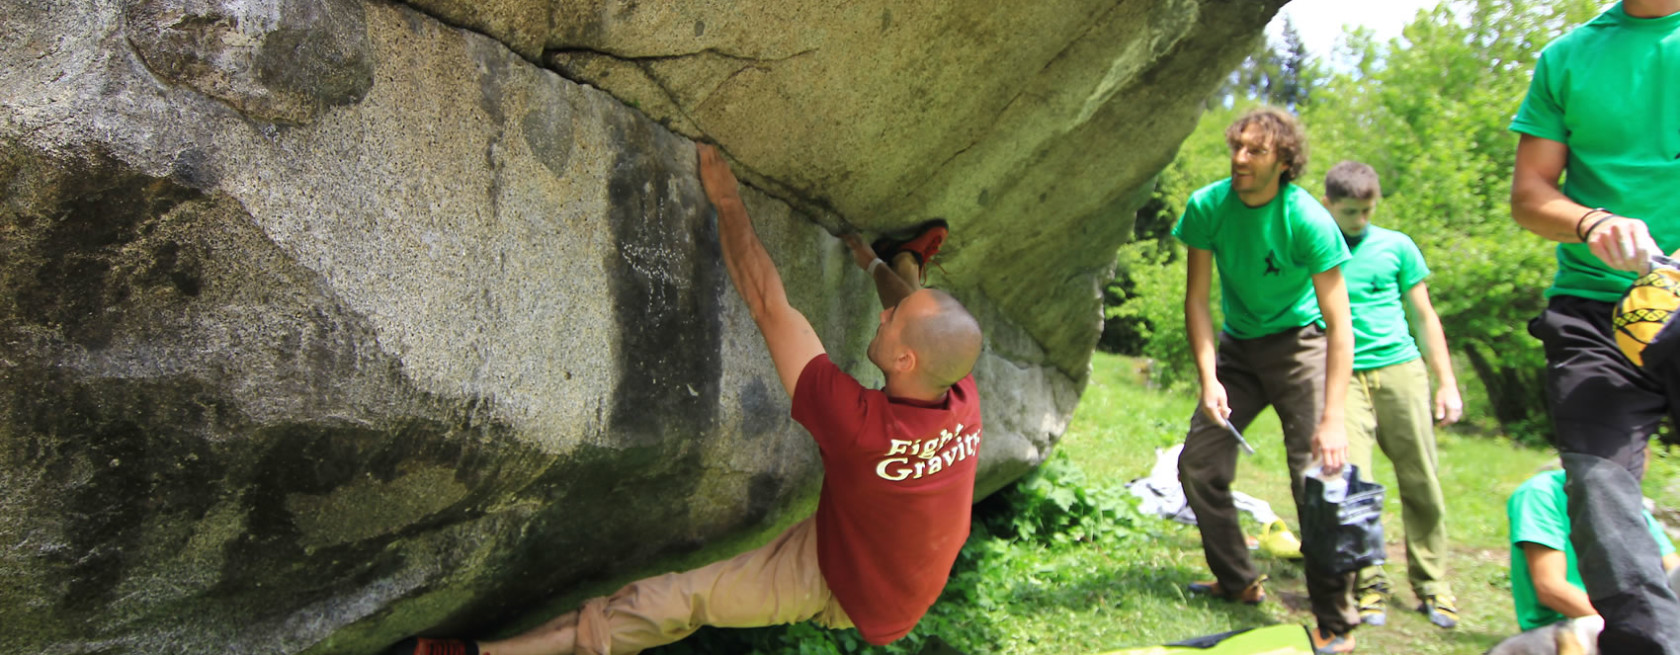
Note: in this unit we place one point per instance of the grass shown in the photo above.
(1061, 563)
(1120, 422)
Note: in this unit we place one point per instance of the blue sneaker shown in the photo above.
(1373, 596)
(1440, 610)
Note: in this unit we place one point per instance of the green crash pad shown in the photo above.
(1286, 639)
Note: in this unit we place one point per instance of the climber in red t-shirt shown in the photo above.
(898, 468)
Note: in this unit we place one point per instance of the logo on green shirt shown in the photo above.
(1271, 263)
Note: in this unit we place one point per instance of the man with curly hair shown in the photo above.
(1287, 341)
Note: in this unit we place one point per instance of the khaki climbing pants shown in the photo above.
(1389, 408)
(777, 583)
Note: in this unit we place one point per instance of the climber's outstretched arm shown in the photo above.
(792, 342)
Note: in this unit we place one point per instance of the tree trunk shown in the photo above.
(1517, 394)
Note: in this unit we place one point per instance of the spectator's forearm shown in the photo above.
(1331, 291)
(1545, 211)
(1198, 316)
(1198, 323)
(1564, 598)
(1338, 369)
(1537, 203)
(1435, 352)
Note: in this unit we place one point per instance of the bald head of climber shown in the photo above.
(925, 344)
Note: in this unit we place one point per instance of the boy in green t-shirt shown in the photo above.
(1545, 582)
(1388, 404)
(1602, 105)
(1286, 342)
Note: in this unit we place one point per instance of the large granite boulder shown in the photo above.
(323, 322)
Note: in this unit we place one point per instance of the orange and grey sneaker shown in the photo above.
(1253, 594)
(429, 646)
(930, 235)
(1329, 643)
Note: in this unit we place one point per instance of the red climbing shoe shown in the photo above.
(929, 237)
(428, 646)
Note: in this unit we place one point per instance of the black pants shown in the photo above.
(1604, 411)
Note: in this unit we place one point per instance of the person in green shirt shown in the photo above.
(1602, 106)
(1389, 404)
(1545, 582)
(1287, 342)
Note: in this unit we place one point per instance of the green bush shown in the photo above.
(1053, 506)
(1156, 305)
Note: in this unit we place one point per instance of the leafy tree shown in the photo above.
(1299, 72)
(1282, 74)
(1257, 76)
(1146, 299)
(1429, 111)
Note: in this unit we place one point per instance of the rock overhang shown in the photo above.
(407, 301)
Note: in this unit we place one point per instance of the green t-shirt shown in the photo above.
(1539, 514)
(1385, 265)
(1266, 255)
(1607, 91)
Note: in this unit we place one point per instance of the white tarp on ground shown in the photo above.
(1161, 493)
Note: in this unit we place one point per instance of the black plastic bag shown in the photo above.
(1343, 535)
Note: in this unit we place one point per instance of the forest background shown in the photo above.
(1430, 111)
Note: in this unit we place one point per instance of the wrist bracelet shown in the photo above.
(1579, 234)
(1588, 234)
(873, 264)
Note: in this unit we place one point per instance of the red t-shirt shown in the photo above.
(897, 488)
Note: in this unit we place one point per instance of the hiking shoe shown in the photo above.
(1253, 594)
(1326, 643)
(1440, 611)
(1373, 596)
(427, 646)
(1373, 608)
(929, 237)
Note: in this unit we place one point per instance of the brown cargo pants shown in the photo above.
(1285, 370)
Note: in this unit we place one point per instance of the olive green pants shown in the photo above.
(1389, 407)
